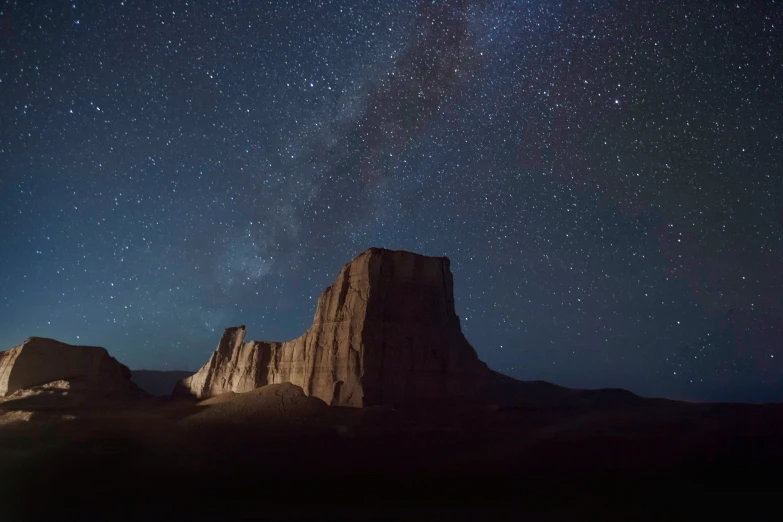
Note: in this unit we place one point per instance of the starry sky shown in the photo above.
(605, 176)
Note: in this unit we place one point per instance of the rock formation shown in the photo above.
(384, 333)
(39, 361)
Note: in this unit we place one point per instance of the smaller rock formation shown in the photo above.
(39, 361)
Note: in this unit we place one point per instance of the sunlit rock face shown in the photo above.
(384, 333)
(39, 361)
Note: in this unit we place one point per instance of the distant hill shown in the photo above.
(158, 383)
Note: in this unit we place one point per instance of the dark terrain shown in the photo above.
(547, 453)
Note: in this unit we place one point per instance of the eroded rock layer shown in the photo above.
(39, 361)
(384, 333)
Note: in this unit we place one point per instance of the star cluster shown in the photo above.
(605, 176)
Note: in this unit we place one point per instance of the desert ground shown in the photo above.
(276, 454)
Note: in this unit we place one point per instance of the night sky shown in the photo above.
(605, 176)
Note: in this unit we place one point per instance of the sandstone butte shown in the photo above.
(385, 333)
(39, 361)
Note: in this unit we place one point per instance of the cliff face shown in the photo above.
(384, 333)
(39, 361)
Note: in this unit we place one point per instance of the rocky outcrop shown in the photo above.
(39, 361)
(384, 333)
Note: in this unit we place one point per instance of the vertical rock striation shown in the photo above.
(384, 333)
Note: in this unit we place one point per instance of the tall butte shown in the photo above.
(385, 333)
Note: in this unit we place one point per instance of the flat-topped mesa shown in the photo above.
(391, 286)
(40, 361)
(384, 333)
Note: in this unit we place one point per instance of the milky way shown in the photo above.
(605, 176)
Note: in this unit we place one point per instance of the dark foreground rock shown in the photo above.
(277, 454)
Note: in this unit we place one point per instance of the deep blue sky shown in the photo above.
(605, 176)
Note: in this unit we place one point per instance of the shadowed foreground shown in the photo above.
(274, 453)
